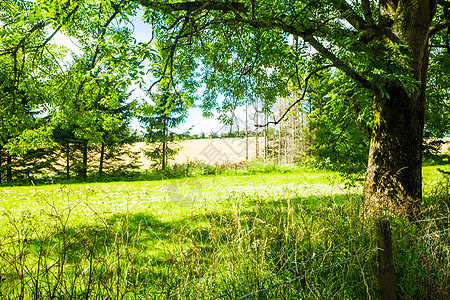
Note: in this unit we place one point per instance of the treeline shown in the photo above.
(68, 115)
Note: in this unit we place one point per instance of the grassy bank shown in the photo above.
(272, 236)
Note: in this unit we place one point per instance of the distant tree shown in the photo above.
(168, 106)
(99, 114)
(213, 135)
(165, 113)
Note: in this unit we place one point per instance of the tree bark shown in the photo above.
(102, 157)
(8, 168)
(83, 171)
(67, 161)
(393, 183)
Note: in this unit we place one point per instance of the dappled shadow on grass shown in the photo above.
(200, 254)
(195, 256)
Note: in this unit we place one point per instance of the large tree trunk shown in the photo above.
(394, 175)
(393, 182)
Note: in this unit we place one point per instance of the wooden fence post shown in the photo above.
(385, 261)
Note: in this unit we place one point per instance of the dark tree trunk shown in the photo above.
(393, 182)
(83, 171)
(8, 168)
(67, 161)
(394, 174)
(164, 145)
(102, 157)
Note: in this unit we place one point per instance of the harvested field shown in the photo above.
(210, 151)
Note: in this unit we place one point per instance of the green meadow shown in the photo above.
(281, 235)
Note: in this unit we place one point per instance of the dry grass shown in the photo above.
(211, 151)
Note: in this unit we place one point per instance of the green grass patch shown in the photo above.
(196, 238)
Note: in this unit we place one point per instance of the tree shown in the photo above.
(25, 66)
(168, 105)
(382, 47)
(166, 112)
(89, 112)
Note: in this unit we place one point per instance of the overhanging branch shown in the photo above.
(196, 6)
(349, 14)
(439, 27)
(299, 99)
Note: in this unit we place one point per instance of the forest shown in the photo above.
(346, 104)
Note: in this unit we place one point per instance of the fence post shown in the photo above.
(385, 261)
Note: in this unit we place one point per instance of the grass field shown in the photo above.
(203, 237)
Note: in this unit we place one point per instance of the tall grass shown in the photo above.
(241, 243)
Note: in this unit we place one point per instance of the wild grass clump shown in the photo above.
(422, 259)
(422, 248)
(197, 168)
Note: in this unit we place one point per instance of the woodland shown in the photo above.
(365, 84)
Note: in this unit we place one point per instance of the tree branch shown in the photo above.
(196, 6)
(338, 63)
(349, 14)
(97, 50)
(39, 26)
(299, 99)
(439, 27)
(308, 37)
(367, 11)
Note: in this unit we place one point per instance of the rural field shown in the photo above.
(220, 150)
(210, 151)
(289, 234)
